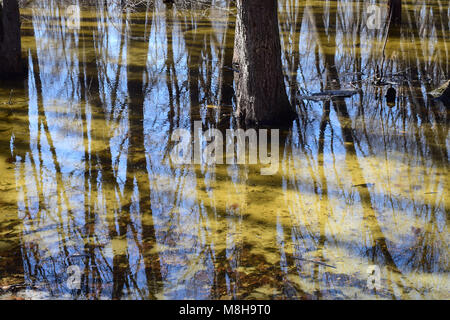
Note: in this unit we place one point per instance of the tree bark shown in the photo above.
(260, 89)
(10, 47)
(395, 11)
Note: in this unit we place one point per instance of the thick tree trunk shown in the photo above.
(260, 89)
(226, 77)
(10, 48)
(395, 11)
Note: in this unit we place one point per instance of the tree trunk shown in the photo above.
(395, 11)
(260, 89)
(10, 48)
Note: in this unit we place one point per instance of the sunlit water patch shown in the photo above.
(88, 181)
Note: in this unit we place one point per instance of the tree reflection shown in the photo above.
(361, 181)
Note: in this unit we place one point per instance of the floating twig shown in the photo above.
(316, 262)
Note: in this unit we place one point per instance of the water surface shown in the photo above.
(86, 176)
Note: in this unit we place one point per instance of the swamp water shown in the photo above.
(87, 181)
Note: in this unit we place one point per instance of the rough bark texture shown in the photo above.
(10, 48)
(260, 89)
